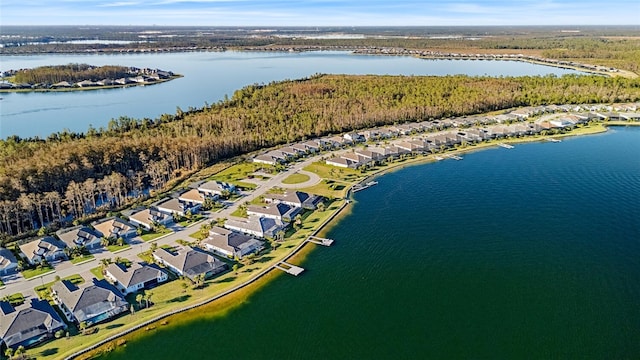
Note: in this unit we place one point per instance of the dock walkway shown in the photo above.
(320, 241)
(289, 269)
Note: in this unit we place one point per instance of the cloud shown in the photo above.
(119, 4)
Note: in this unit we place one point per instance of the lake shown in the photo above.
(531, 252)
(208, 77)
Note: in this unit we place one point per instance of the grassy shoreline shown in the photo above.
(89, 88)
(229, 291)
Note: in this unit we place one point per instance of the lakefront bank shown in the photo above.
(527, 275)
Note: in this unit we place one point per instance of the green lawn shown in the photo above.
(296, 178)
(82, 258)
(31, 273)
(14, 299)
(194, 219)
(331, 172)
(146, 256)
(97, 272)
(114, 248)
(154, 235)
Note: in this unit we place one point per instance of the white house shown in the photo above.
(231, 243)
(135, 278)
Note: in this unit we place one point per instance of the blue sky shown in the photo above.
(319, 12)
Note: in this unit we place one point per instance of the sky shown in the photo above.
(319, 12)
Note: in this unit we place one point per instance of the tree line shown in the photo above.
(71, 73)
(73, 175)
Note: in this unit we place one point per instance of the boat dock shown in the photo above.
(506, 146)
(320, 241)
(455, 157)
(360, 187)
(554, 140)
(289, 269)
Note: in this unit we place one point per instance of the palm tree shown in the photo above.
(8, 353)
(139, 298)
(147, 297)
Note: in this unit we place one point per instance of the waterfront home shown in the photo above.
(148, 218)
(46, 248)
(340, 162)
(295, 198)
(134, 278)
(215, 188)
(385, 152)
(410, 147)
(90, 303)
(631, 116)
(28, 325)
(79, 236)
(561, 123)
(175, 206)
(355, 159)
(8, 262)
(60, 85)
(231, 243)
(114, 227)
(189, 262)
(261, 227)
(369, 155)
(278, 211)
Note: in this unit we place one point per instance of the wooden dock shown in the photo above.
(454, 157)
(320, 241)
(506, 146)
(289, 269)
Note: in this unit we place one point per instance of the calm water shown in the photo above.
(526, 253)
(208, 76)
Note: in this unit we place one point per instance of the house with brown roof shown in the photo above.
(147, 218)
(114, 227)
(193, 196)
(46, 248)
(231, 243)
(172, 206)
(8, 262)
(190, 262)
(135, 278)
(338, 161)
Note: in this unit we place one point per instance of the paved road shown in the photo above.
(17, 283)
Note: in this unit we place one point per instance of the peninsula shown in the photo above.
(80, 77)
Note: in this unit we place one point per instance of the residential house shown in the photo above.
(295, 198)
(231, 243)
(278, 211)
(8, 262)
(301, 148)
(339, 141)
(313, 146)
(356, 160)
(215, 188)
(370, 156)
(29, 325)
(79, 236)
(261, 227)
(409, 146)
(114, 227)
(290, 152)
(46, 248)
(90, 303)
(354, 137)
(134, 278)
(268, 159)
(194, 197)
(630, 116)
(148, 218)
(175, 206)
(340, 162)
(190, 262)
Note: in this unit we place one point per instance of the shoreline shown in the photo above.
(89, 88)
(298, 250)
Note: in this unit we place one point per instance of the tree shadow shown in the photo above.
(113, 326)
(181, 298)
(49, 352)
(264, 259)
(225, 280)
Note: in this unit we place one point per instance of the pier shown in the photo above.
(454, 157)
(289, 269)
(359, 187)
(554, 140)
(506, 146)
(320, 241)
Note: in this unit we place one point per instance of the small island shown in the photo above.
(72, 77)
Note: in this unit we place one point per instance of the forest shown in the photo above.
(44, 181)
(71, 73)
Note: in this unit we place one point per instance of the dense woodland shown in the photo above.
(71, 73)
(68, 174)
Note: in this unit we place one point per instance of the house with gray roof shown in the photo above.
(338, 161)
(114, 227)
(295, 198)
(78, 236)
(215, 188)
(175, 206)
(190, 262)
(46, 248)
(28, 325)
(261, 227)
(268, 159)
(277, 211)
(231, 243)
(193, 196)
(134, 278)
(90, 303)
(8, 262)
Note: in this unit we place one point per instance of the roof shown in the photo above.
(192, 195)
(6, 258)
(171, 205)
(77, 235)
(229, 240)
(112, 226)
(216, 187)
(279, 209)
(17, 326)
(136, 274)
(257, 224)
(43, 247)
(148, 216)
(189, 261)
(294, 197)
(89, 300)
